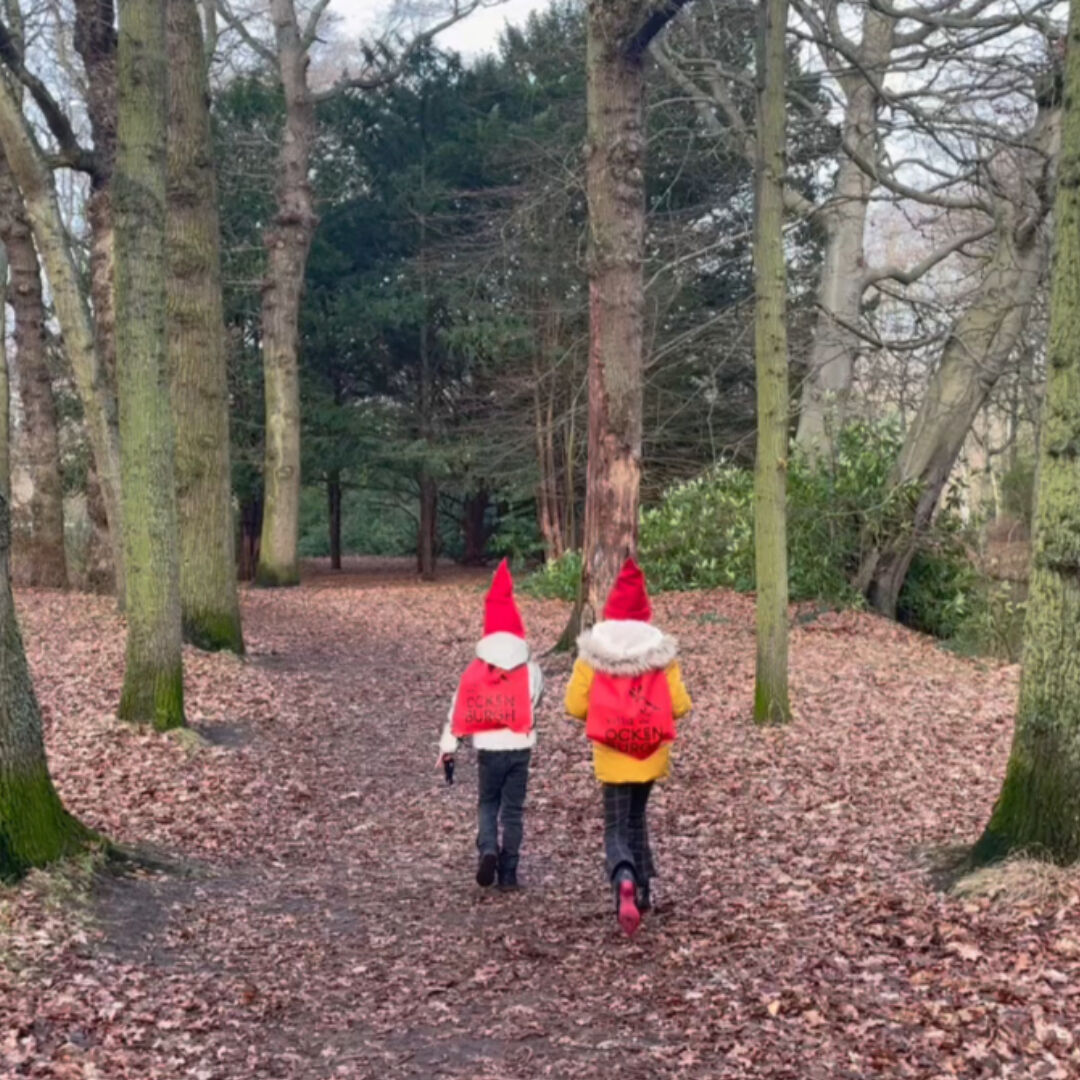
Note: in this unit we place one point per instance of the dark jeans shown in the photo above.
(503, 776)
(626, 832)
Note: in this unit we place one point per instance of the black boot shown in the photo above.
(508, 879)
(644, 896)
(485, 871)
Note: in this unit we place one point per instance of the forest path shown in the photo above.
(330, 926)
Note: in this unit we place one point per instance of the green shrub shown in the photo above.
(994, 625)
(1018, 489)
(940, 594)
(557, 580)
(701, 536)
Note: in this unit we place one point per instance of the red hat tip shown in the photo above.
(628, 598)
(501, 614)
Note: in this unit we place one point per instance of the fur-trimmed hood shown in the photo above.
(503, 650)
(626, 647)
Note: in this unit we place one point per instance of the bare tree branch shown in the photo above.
(72, 154)
(912, 274)
(382, 76)
(249, 39)
(657, 19)
(311, 27)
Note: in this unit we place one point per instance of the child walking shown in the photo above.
(627, 687)
(495, 704)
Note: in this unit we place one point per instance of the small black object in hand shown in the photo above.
(448, 769)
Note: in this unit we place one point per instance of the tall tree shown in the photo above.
(771, 703)
(618, 33)
(981, 342)
(288, 242)
(5, 385)
(35, 183)
(1038, 809)
(153, 690)
(196, 328)
(35, 829)
(41, 558)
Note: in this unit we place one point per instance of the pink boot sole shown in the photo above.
(629, 916)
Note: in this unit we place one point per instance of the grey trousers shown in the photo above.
(503, 776)
(626, 832)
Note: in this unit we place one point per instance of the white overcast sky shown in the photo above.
(476, 34)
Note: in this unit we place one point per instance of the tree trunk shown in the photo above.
(99, 404)
(250, 530)
(41, 558)
(1038, 810)
(426, 534)
(288, 241)
(197, 361)
(615, 191)
(35, 829)
(475, 527)
(771, 705)
(333, 492)
(153, 690)
(826, 390)
(5, 386)
(975, 356)
(95, 42)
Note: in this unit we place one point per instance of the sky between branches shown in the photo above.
(476, 34)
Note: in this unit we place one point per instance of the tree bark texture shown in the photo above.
(95, 42)
(976, 355)
(288, 241)
(196, 348)
(35, 829)
(99, 404)
(39, 555)
(153, 676)
(1038, 810)
(615, 190)
(771, 704)
(5, 386)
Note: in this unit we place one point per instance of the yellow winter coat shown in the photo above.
(625, 647)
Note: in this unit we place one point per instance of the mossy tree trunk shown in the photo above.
(35, 829)
(196, 327)
(40, 558)
(771, 703)
(153, 676)
(1038, 810)
(288, 241)
(35, 183)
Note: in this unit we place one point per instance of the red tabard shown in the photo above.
(490, 698)
(631, 713)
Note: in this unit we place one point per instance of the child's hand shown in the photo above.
(442, 759)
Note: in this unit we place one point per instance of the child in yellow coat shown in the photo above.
(627, 687)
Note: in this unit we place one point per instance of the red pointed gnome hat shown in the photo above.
(501, 614)
(628, 598)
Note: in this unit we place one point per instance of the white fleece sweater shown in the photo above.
(504, 651)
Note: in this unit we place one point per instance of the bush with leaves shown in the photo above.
(701, 534)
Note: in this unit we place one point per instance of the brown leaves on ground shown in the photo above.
(320, 918)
